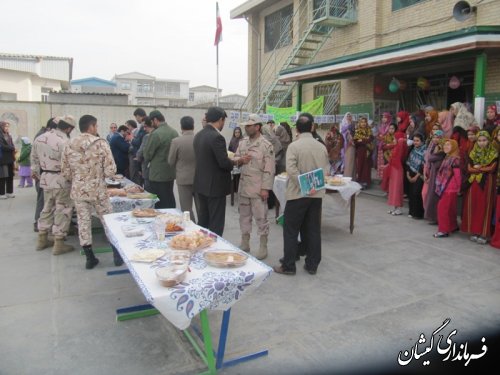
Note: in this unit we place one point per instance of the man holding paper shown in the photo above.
(303, 212)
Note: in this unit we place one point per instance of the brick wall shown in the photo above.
(492, 75)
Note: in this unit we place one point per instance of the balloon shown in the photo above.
(378, 89)
(402, 85)
(393, 86)
(423, 83)
(454, 83)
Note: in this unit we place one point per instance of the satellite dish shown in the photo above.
(462, 11)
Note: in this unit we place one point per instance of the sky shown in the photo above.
(168, 39)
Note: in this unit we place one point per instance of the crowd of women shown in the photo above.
(433, 158)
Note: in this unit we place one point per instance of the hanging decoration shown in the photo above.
(378, 89)
(423, 83)
(394, 85)
(454, 83)
(402, 85)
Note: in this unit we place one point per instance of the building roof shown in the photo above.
(250, 6)
(134, 75)
(461, 41)
(20, 56)
(93, 81)
(64, 92)
(204, 88)
(48, 67)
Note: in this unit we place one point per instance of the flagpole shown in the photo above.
(217, 66)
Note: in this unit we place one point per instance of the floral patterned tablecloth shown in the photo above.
(205, 287)
(123, 204)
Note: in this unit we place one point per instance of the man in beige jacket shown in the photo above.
(181, 157)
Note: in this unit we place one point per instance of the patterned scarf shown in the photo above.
(416, 158)
(482, 156)
(445, 172)
(362, 133)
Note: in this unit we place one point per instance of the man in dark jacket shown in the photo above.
(212, 177)
(119, 147)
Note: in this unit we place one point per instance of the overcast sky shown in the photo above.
(172, 39)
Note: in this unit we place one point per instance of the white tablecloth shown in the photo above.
(205, 287)
(123, 204)
(341, 201)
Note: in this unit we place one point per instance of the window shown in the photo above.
(331, 94)
(143, 87)
(400, 4)
(125, 86)
(173, 89)
(191, 96)
(278, 29)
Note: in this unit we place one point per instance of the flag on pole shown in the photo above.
(218, 30)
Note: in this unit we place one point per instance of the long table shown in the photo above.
(122, 204)
(346, 197)
(205, 288)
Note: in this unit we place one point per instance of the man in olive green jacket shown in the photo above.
(161, 174)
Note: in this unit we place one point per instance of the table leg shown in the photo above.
(232, 189)
(353, 210)
(207, 340)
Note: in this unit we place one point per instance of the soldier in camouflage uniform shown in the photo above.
(46, 157)
(86, 161)
(257, 176)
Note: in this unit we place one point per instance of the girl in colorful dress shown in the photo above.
(388, 144)
(480, 194)
(492, 119)
(433, 159)
(431, 119)
(392, 182)
(403, 120)
(383, 129)
(363, 139)
(25, 164)
(414, 175)
(347, 128)
(334, 144)
(448, 182)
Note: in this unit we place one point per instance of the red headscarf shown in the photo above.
(405, 120)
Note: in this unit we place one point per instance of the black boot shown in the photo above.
(117, 258)
(91, 259)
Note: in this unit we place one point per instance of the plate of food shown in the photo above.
(112, 182)
(335, 181)
(225, 258)
(145, 212)
(191, 241)
(113, 192)
(172, 275)
(173, 228)
(143, 195)
(147, 256)
(133, 189)
(118, 177)
(171, 218)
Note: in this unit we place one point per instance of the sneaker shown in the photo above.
(3, 197)
(473, 238)
(397, 212)
(390, 212)
(410, 216)
(11, 195)
(482, 241)
(440, 235)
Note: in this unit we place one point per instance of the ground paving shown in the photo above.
(375, 292)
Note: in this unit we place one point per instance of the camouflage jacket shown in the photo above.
(46, 154)
(86, 161)
(258, 174)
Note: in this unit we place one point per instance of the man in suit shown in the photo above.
(181, 157)
(119, 147)
(212, 177)
(302, 213)
(161, 174)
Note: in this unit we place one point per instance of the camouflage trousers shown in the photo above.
(56, 213)
(256, 208)
(84, 210)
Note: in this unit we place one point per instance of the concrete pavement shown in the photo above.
(375, 292)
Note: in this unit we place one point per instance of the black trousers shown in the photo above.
(165, 192)
(415, 202)
(7, 183)
(212, 213)
(302, 216)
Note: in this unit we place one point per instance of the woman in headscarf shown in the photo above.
(414, 175)
(347, 128)
(433, 159)
(7, 152)
(479, 198)
(392, 182)
(463, 118)
(25, 163)
(383, 130)
(412, 129)
(492, 119)
(431, 118)
(334, 143)
(448, 181)
(445, 119)
(403, 120)
(495, 240)
(236, 139)
(363, 141)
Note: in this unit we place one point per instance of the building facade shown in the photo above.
(143, 89)
(369, 56)
(200, 95)
(93, 85)
(32, 77)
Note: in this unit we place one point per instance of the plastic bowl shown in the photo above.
(172, 275)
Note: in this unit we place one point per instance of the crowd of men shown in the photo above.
(70, 173)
